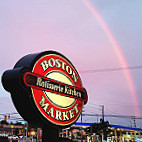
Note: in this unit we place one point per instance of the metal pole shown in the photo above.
(134, 122)
(103, 122)
(38, 134)
(103, 112)
(81, 116)
(26, 130)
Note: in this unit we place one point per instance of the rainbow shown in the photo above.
(118, 52)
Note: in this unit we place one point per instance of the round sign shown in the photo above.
(57, 108)
(54, 86)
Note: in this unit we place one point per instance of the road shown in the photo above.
(28, 140)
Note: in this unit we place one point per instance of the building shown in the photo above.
(118, 133)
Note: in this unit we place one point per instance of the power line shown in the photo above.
(116, 104)
(8, 114)
(110, 112)
(112, 69)
(123, 105)
(120, 116)
(13, 113)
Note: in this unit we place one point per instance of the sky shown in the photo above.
(97, 36)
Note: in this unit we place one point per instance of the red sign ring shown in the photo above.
(57, 90)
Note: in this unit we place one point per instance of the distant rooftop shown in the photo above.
(114, 126)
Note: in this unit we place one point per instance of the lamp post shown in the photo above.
(12, 127)
(26, 128)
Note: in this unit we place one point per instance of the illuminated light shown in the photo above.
(111, 133)
(118, 52)
(23, 123)
(12, 126)
(128, 136)
(32, 133)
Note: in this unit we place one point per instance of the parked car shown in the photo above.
(13, 137)
(4, 135)
(21, 137)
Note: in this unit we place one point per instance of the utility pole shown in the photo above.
(81, 116)
(102, 112)
(134, 121)
(102, 121)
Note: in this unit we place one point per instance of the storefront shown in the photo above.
(125, 134)
(118, 133)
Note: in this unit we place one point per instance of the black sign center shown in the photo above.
(46, 84)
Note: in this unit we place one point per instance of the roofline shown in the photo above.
(114, 126)
(124, 127)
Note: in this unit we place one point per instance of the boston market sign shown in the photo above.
(46, 89)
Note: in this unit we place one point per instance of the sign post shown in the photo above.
(50, 134)
(47, 91)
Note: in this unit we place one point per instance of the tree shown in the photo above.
(18, 123)
(99, 128)
(4, 122)
(16, 131)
